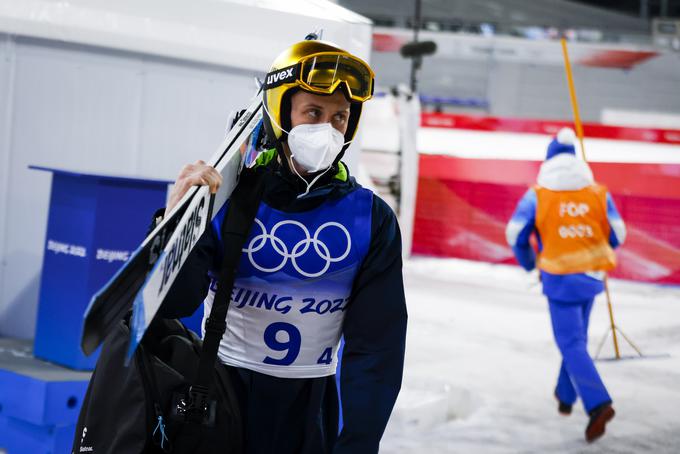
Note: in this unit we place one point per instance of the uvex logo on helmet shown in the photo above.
(281, 76)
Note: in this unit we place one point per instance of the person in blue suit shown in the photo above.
(576, 225)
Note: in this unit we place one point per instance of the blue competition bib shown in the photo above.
(293, 286)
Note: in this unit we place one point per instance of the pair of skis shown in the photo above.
(143, 282)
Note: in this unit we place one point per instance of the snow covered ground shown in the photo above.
(481, 366)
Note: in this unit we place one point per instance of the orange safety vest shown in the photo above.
(574, 230)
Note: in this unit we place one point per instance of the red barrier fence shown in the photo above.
(549, 127)
(463, 206)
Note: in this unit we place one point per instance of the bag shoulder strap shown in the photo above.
(243, 206)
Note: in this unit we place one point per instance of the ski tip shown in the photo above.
(89, 343)
(89, 340)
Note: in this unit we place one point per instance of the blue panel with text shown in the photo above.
(95, 223)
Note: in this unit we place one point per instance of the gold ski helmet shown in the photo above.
(317, 67)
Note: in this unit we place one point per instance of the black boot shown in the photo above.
(599, 417)
(562, 407)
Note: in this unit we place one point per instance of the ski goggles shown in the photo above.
(322, 73)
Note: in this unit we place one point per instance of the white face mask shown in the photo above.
(314, 147)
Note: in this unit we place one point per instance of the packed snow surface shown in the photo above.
(481, 366)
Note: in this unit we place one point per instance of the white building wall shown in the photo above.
(6, 80)
(90, 108)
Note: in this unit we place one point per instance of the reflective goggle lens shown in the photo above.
(325, 72)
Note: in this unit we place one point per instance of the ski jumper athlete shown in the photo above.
(323, 260)
(577, 226)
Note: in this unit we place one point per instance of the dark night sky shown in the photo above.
(633, 6)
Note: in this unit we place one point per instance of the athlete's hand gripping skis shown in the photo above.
(166, 248)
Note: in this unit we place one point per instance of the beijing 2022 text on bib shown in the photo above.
(293, 286)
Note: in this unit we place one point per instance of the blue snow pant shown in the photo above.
(578, 376)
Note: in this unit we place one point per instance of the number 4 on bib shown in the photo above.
(326, 357)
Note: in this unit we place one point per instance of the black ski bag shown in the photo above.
(174, 396)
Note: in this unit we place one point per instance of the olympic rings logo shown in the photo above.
(301, 247)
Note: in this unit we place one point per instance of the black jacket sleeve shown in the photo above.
(375, 339)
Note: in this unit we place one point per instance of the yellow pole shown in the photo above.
(572, 95)
(579, 134)
(611, 317)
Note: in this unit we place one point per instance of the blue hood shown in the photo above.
(556, 148)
